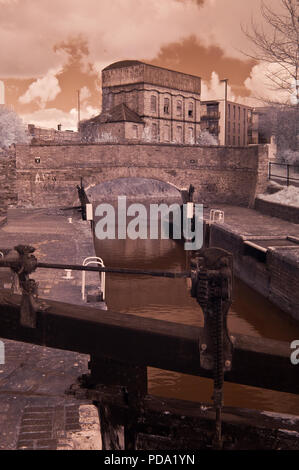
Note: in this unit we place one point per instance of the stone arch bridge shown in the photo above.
(47, 175)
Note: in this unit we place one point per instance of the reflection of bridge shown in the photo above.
(47, 174)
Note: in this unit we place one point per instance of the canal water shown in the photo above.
(170, 300)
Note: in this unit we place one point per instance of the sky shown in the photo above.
(52, 48)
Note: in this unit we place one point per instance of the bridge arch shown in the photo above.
(133, 188)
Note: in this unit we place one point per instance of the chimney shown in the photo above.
(59, 127)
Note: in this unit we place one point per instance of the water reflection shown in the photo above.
(169, 299)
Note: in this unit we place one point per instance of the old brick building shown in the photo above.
(143, 102)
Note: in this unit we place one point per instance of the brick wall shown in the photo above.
(219, 174)
(7, 180)
(274, 209)
(40, 135)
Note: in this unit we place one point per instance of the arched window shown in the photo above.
(190, 109)
(179, 108)
(135, 132)
(191, 135)
(153, 103)
(154, 131)
(179, 134)
(166, 133)
(166, 105)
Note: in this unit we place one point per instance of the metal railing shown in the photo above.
(210, 115)
(285, 172)
(98, 261)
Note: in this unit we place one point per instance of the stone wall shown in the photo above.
(48, 174)
(7, 180)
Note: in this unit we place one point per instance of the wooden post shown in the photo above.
(118, 424)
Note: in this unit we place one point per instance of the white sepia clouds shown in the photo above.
(30, 29)
(42, 90)
(49, 118)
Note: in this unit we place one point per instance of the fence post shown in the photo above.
(288, 174)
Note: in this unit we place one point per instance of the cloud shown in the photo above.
(262, 87)
(42, 90)
(30, 30)
(84, 93)
(51, 117)
(214, 90)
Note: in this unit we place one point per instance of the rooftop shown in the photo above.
(119, 113)
(130, 63)
(123, 63)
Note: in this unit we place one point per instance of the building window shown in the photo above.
(234, 127)
(234, 140)
(228, 110)
(212, 110)
(166, 105)
(213, 127)
(191, 135)
(239, 142)
(153, 103)
(234, 112)
(110, 100)
(179, 134)
(166, 133)
(239, 113)
(154, 131)
(179, 108)
(135, 132)
(190, 110)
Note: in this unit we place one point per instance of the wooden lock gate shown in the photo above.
(121, 347)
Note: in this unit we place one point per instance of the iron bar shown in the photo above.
(287, 174)
(77, 267)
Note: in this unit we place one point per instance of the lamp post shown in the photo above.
(78, 109)
(225, 80)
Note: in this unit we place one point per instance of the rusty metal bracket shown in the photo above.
(212, 285)
(22, 262)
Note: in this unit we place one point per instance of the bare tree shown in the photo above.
(278, 44)
(12, 128)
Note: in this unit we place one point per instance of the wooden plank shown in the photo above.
(176, 424)
(168, 423)
(142, 341)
